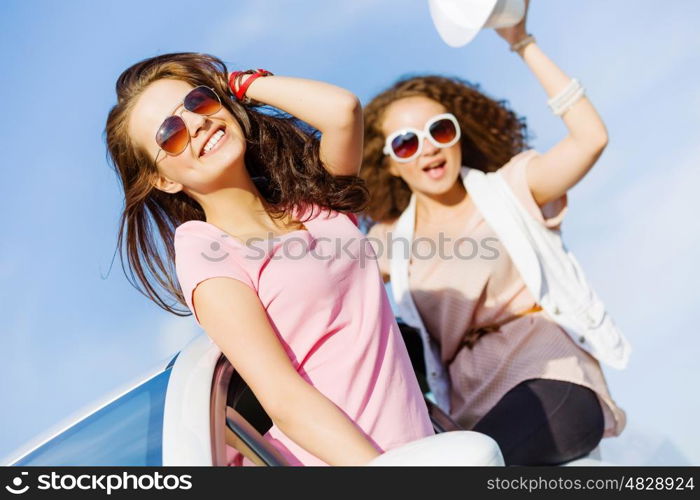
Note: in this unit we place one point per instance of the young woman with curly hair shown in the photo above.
(234, 211)
(512, 372)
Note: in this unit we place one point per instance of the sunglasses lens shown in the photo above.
(443, 131)
(203, 101)
(405, 145)
(172, 135)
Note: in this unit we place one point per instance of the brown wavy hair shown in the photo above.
(282, 158)
(491, 135)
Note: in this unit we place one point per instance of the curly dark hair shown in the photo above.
(491, 135)
(282, 158)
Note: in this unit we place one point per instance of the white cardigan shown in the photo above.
(549, 270)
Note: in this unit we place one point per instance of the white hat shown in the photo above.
(458, 21)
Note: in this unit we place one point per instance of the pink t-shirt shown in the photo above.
(325, 299)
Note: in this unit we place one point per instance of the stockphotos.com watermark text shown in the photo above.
(293, 246)
(101, 482)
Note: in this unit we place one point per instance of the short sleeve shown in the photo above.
(202, 255)
(378, 236)
(514, 172)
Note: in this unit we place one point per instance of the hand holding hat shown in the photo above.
(459, 21)
(513, 34)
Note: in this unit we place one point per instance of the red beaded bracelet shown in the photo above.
(235, 76)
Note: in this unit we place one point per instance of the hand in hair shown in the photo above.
(334, 111)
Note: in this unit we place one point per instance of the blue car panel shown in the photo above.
(128, 431)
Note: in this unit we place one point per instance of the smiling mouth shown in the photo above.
(222, 138)
(437, 165)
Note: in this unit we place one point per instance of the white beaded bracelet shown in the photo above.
(564, 100)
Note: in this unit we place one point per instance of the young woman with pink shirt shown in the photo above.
(507, 369)
(236, 213)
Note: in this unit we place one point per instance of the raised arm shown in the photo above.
(553, 173)
(334, 111)
(300, 411)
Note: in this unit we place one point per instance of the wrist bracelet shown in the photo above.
(520, 44)
(564, 100)
(235, 77)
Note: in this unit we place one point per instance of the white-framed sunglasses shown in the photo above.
(406, 144)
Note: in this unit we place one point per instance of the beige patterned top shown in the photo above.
(471, 281)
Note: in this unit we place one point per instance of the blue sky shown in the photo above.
(68, 336)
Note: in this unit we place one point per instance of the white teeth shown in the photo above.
(213, 140)
(435, 165)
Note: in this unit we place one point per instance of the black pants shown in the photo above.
(544, 422)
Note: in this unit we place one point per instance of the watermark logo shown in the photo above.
(108, 483)
(215, 246)
(365, 248)
(17, 488)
